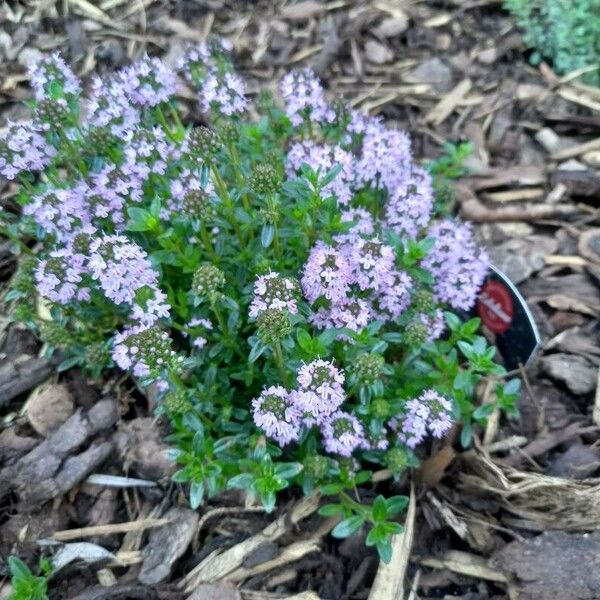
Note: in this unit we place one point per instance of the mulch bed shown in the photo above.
(87, 480)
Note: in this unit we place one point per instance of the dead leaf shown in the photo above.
(302, 10)
(433, 469)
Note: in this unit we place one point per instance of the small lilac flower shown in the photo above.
(147, 351)
(224, 94)
(327, 274)
(409, 206)
(23, 148)
(384, 157)
(208, 67)
(372, 261)
(320, 390)
(393, 296)
(353, 313)
(198, 60)
(58, 212)
(324, 157)
(194, 328)
(435, 324)
(146, 152)
(304, 98)
(59, 277)
(362, 219)
(274, 291)
(429, 413)
(149, 82)
(52, 74)
(342, 434)
(275, 413)
(126, 276)
(108, 106)
(456, 263)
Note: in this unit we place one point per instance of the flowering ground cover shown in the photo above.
(281, 280)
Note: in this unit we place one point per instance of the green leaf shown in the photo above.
(452, 321)
(196, 494)
(512, 387)
(268, 500)
(328, 510)
(396, 504)
(384, 549)
(483, 411)
(287, 470)
(379, 509)
(18, 569)
(243, 481)
(348, 526)
(304, 340)
(67, 364)
(266, 237)
(466, 435)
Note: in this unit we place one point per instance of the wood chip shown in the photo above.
(576, 150)
(464, 563)
(443, 109)
(520, 195)
(73, 534)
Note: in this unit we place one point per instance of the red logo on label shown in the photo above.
(495, 306)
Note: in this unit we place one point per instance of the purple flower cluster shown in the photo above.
(23, 148)
(410, 203)
(304, 98)
(148, 82)
(343, 433)
(275, 413)
(430, 413)
(323, 157)
(52, 75)
(126, 276)
(385, 156)
(273, 291)
(109, 106)
(357, 275)
(320, 390)
(145, 350)
(456, 263)
(59, 277)
(283, 414)
(207, 66)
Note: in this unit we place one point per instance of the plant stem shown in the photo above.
(224, 195)
(217, 311)
(24, 248)
(279, 360)
(160, 115)
(207, 243)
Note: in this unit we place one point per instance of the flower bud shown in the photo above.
(208, 280)
(273, 324)
(416, 333)
(423, 301)
(97, 355)
(197, 204)
(265, 179)
(368, 367)
(204, 143)
(397, 460)
(316, 466)
(53, 113)
(54, 335)
(176, 402)
(380, 408)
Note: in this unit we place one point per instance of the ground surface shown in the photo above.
(511, 520)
